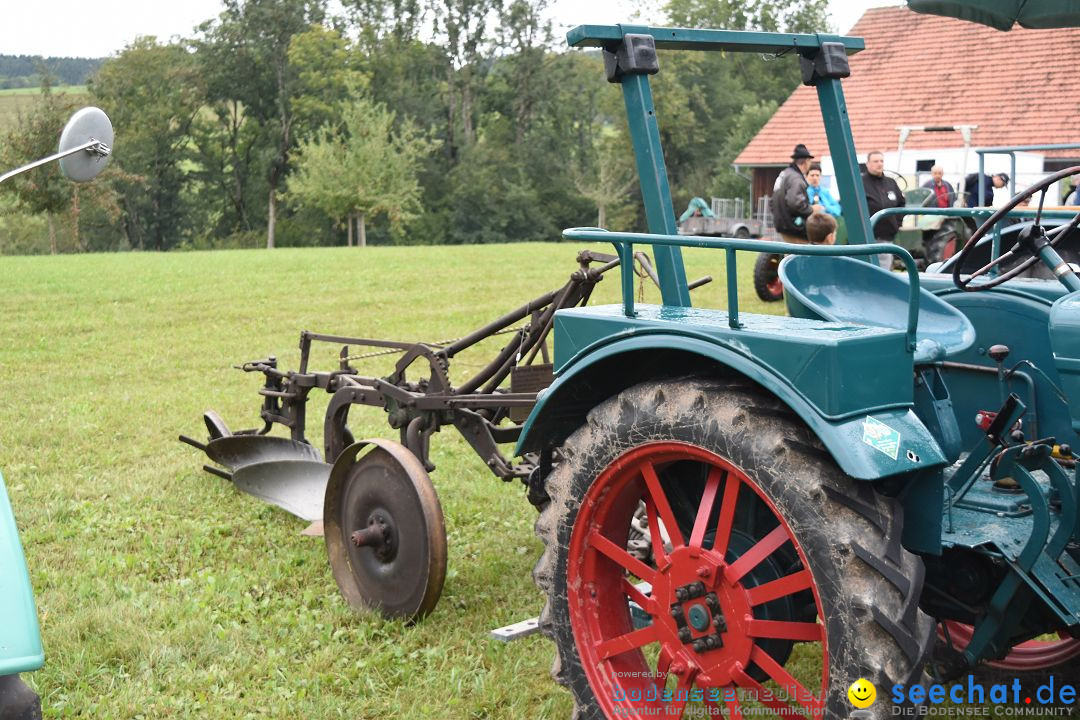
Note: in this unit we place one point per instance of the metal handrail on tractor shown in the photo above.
(624, 246)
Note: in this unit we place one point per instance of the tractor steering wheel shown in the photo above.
(1024, 244)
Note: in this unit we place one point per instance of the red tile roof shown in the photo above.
(1020, 87)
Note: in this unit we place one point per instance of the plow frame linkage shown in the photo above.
(418, 395)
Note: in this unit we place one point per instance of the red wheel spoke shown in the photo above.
(763, 695)
(621, 558)
(656, 493)
(787, 585)
(662, 665)
(679, 698)
(659, 553)
(727, 514)
(708, 496)
(783, 630)
(637, 596)
(633, 640)
(732, 703)
(784, 679)
(762, 549)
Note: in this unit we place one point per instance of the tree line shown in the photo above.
(28, 71)
(279, 123)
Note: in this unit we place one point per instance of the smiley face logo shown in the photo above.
(862, 694)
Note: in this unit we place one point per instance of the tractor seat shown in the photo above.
(846, 289)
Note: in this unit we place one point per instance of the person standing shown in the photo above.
(882, 193)
(819, 195)
(943, 189)
(990, 182)
(790, 205)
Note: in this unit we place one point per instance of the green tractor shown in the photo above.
(758, 511)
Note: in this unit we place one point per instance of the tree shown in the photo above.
(611, 176)
(704, 98)
(35, 135)
(153, 93)
(525, 33)
(463, 25)
(326, 71)
(746, 125)
(366, 169)
(249, 77)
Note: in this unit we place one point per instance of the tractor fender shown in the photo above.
(878, 443)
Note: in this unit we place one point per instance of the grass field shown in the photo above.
(16, 100)
(164, 592)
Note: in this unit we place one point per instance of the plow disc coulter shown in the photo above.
(373, 499)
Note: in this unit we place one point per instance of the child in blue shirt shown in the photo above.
(819, 195)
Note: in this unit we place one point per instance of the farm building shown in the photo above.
(1015, 88)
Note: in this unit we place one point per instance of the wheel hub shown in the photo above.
(699, 617)
(702, 608)
(379, 535)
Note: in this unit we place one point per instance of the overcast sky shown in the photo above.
(97, 28)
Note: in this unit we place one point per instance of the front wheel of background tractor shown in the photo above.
(767, 282)
(773, 576)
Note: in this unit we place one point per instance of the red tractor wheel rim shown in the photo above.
(775, 285)
(599, 589)
(1030, 655)
(949, 250)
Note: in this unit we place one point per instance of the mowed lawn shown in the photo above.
(164, 592)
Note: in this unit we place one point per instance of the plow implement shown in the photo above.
(377, 508)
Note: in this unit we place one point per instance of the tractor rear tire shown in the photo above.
(821, 561)
(767, 282)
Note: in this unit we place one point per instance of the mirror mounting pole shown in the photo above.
(93, 147)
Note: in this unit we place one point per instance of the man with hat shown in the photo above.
(790, 205)
(971, 188)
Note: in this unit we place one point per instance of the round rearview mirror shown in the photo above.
(89, 127)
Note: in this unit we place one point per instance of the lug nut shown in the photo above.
(703, 572)
(678, 668)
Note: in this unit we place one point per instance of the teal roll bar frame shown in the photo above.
(648, 151)
(624, 246)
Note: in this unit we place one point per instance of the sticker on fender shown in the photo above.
(881, 437)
